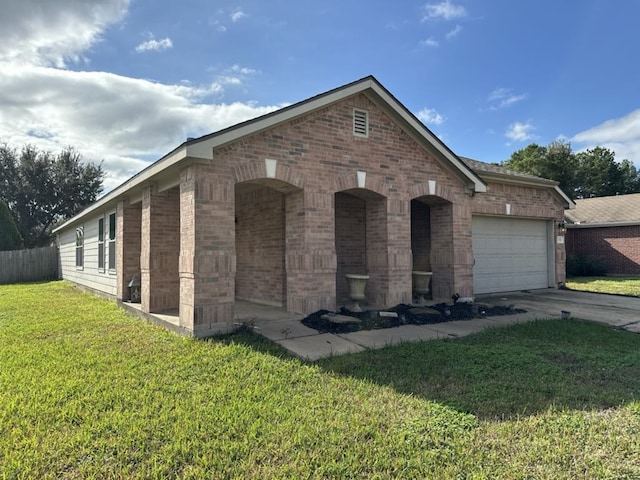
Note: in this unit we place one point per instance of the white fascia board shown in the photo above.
(203, 149)
(516, 180)
(478, 184)
(143, 176)
(602, 224)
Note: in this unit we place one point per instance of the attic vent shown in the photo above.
(360, 123)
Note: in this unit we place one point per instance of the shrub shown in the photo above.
(580, 265)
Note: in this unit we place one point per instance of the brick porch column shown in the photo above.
(207, 248)
(442, 257)
(388, 252)
(310, 261)
(159, 252)
(462, 249)
(128, 228)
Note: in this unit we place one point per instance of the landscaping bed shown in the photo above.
(324, 321)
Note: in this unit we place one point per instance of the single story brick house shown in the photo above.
(276, 210)
(606, 230)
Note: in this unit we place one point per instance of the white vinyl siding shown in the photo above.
(510, 254)
(90, 276)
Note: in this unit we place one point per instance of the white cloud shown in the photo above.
(430, 42)
(242, 70)
(107, 116)
(155, 45)
(237, 15)
(430, 116)
(520, 132)
(454, 32)
(443, 10)
(621, 135)
(235, 75)
(504, 97)
(126, 122)
(43, 32)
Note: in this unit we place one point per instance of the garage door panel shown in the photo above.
(509, 254)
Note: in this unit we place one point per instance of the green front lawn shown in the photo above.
(88, 392)
(615, 285)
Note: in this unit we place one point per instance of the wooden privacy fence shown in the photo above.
(31, 265)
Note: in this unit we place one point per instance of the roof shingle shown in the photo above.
(480, 167)
(616, 209)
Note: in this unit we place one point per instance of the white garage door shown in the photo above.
(510, 254)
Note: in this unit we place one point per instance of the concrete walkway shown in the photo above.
(286, 329)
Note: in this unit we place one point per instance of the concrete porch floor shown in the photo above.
(286, 329)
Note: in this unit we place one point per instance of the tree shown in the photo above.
(592, 173)
(555, 162)
(10, 238)
(528, 160)
(41, 189)
(599, 174)
(630, 177)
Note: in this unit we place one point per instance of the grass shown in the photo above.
(89, 392)
(615, 285)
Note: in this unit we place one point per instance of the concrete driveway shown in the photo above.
(614, 310)
(306, 343)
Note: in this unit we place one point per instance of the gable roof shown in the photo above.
(471, 172)
(491, 171)
(201, 148)
(618, 210)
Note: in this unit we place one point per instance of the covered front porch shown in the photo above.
(221, 240)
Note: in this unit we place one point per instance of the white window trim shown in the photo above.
(103, 257)
(80, 266)
(111, 241)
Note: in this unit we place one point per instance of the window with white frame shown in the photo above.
(79, 247)
(101, 252)
(112, 241)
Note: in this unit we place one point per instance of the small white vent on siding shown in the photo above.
(361, 123)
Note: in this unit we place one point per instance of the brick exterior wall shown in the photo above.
(442, 253)
(617, 248)
(260, 246)
(351, 240)
(128, 232)
(334, 204)
(159, 252)
(207, 252)
(319, 154)
(421, 236)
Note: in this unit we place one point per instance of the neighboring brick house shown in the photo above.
(276, 210)
(606, 230)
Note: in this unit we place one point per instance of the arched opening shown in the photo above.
(360, 240)
(432, 241)
(260, 238)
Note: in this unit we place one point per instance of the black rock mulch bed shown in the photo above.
(407, 314)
